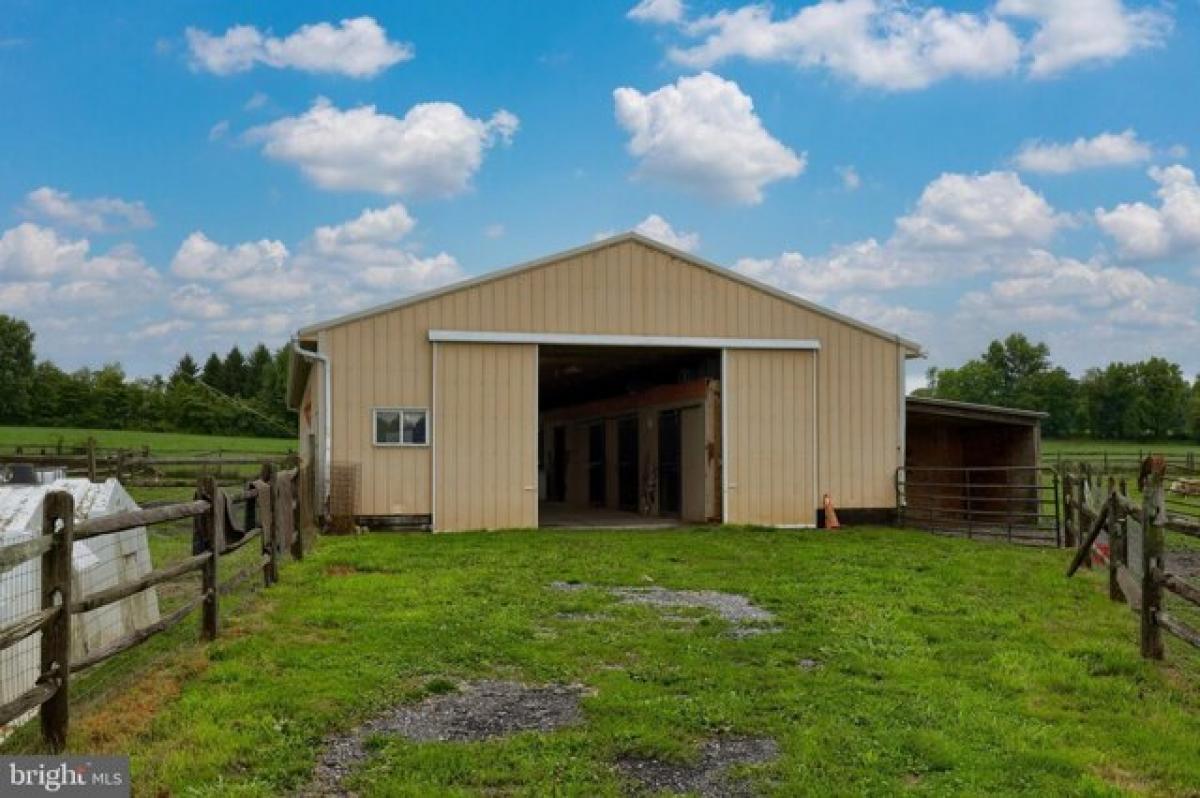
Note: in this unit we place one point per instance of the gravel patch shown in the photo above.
(709, 776)
(748, 619)
(479, 711)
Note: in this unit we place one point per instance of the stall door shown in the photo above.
(769, 399)
(485, 436)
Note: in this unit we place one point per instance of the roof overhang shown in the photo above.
(945, 408)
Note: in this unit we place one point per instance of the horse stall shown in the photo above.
(975, 470)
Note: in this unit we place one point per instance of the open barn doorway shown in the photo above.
(628, 436)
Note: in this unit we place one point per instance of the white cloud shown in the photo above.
(888, 316)
(198, 302)
(701, 133)
(381, 226)
(433, 150)
(219, 130)
(164, 328)
(357, 48)
(883, 45)
(896, 45)
(659, 11)
(860, 266)
(494, 230)
(1143, 231)
(996, 208)
(1106, 149)
(962, 225)
(367, 250)
(1073, 32)
(201, 258)
(656, 227)
(850, 178)
(1075, 292)
(29, 250)
(98, 215)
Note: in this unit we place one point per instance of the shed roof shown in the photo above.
(925, 405)
(914, 349)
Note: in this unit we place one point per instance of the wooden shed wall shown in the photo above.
(627, 288)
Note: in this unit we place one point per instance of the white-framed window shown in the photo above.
(400, 426)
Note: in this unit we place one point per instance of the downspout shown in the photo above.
(326, 417)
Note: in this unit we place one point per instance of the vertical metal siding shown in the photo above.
(771, 450)
(484, 430)
(386, 360)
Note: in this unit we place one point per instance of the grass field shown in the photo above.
(159, 442)
(1052, 446)
(942, 667)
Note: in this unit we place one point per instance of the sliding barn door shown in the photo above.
(769, 407)
(485, 436)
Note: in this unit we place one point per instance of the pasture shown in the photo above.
(896, 662)
(159, 442)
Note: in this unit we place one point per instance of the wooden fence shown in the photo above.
(1135, 553)
(139, 467)
(273, 511)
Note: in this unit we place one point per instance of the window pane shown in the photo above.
(414, 426)
(387, 426)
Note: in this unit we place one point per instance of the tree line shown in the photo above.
(1150, 400)
(236, 394)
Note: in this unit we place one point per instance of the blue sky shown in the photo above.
(185, 176)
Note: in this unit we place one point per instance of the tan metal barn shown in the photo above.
(623, 382)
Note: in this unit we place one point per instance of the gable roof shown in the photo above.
(913, 348)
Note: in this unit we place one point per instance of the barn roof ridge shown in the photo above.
(630, 236)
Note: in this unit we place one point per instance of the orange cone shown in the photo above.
(831, 519)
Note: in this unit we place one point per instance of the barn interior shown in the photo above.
(628, 436)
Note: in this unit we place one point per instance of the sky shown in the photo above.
(188, 176)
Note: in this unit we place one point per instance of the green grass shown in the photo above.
(1052, 446)
(159, 442)
(947, 667)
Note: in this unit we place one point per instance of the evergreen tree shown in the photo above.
(259, 374)
(213, 374)
(234, 373)
(186, 370)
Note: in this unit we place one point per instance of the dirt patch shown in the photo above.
(709, 776)
(747, 618)
(1185, 563)
(340, 570)
(111, 723)
(477, 711)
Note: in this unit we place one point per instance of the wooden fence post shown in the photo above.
(265, 505)
(58, 519)
(1152, 547)
(1069, 516)
(91, 459)
(1115, 546)
(212, 533)
(289, 509)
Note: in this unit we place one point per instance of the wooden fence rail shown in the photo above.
(138, 466)
(271, 506)
(1135, 552)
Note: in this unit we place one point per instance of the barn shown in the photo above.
(619, 383)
